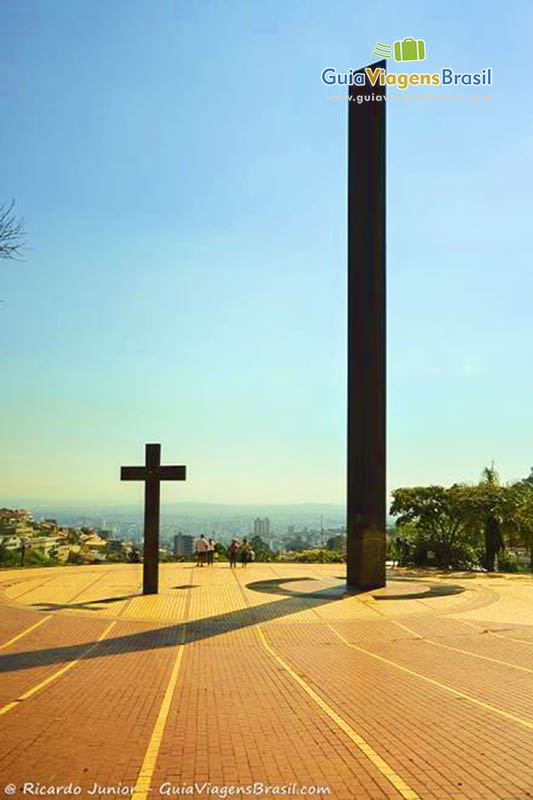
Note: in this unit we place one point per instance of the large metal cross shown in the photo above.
(152, 474)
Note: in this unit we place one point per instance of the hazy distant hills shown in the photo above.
(299, 514)
(310, 515)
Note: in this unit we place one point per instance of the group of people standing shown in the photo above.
(205, 550)
(240, 551)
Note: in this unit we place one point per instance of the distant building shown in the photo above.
(15, 523)
(114, 545)
(13, 519)
(262, 528)
(21, 514)
(11, 542)
(49, 527)
(183, 545)
(93, 546)
(44, 544)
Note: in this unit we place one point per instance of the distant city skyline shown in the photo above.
(222, 522)
(183, 179)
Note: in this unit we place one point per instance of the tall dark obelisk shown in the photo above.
(366, 467)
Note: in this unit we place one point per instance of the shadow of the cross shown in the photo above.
(86, 605)
(94, 605)
(189, 632)
(171, 635)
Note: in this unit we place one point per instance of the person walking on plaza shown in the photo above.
(211, 547)
(233, 551)
(245, 552)
(200, 548)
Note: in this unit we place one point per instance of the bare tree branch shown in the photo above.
(12, 232)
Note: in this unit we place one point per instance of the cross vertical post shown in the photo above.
(152, 474)
(151, 520)
(366, 430)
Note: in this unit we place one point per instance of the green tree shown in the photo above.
(295, 544)
(436, 516)
(8, 558)
(261, 550)
(222, 550)
(520, 531)
(38, 558)
(488, 512)
(464, 524)
(337, 543)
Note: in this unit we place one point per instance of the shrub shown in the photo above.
(319, 556)
(508, 562)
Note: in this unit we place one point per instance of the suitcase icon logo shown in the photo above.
(410, 50)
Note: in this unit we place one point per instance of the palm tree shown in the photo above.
(490, 475)
(492, 523)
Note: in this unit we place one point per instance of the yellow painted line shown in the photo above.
(30, 692)
(144, 778)
(142, 787)
(527, 723)
(461, 650)
(386, 770)
(8, 707)
(24, 633)
(492, 633)
(24, 581)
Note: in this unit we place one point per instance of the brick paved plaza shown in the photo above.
(269, 674)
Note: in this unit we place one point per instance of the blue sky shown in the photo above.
(183, 179)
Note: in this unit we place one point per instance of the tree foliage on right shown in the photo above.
(464, 525)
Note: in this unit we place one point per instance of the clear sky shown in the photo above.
(183, 178)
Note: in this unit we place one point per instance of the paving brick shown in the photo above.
(239, 712)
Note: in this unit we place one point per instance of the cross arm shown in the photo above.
(172, 473)
(133, 473)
